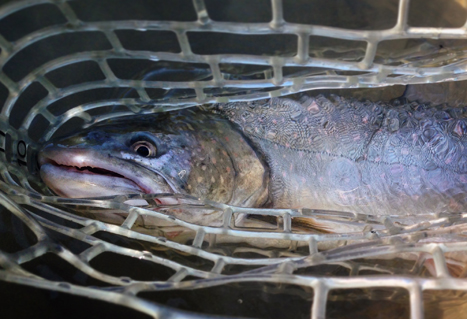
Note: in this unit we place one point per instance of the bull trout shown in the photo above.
(322, 153)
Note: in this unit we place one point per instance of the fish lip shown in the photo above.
(82, 157)
(76, 176)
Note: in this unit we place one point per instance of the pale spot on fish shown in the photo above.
(396, 169)
(213, 160)
(181, 174)
(203, 167)
(458, 129)
(213, 180)
(189, 186)
(222, 179)
(199, 179)
(313, 107)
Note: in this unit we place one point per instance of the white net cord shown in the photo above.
(68, 65)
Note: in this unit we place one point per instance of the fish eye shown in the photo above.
(144, 149)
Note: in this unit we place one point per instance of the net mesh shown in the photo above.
(68, 65)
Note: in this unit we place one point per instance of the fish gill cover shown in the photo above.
(69, 65)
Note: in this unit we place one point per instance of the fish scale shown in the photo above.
(403, 149)
(323, 153)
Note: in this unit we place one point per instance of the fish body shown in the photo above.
(372, 158)
(332, 154)
(185, 152)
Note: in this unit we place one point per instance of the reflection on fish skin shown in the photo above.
(324, 153)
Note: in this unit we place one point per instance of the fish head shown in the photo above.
(198, 155)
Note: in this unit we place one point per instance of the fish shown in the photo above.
(326, 153)
(184, 152)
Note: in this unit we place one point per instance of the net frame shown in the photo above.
(393, 234)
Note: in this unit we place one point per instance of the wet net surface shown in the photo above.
(68, 65)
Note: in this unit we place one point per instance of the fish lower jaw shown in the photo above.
(79, 183)
(75, 182)
(84, 164)
(79, 173)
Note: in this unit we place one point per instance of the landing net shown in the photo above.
(67, 65)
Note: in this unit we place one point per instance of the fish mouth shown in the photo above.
(84, 170)
(80, 173)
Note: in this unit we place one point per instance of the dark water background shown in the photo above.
(245, 300)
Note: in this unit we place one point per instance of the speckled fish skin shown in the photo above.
(332, 154)
(198, 153)
(346, 155)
